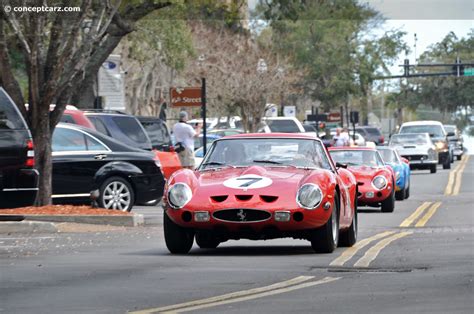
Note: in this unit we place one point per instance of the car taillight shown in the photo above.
(171, 149)
(382, 139)
(30, 155)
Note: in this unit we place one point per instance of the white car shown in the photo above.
(418, 148)
(281, 125)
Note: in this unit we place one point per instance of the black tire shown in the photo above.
(400, 195)
(206, 241)
(407, 192)
(433, 168)
(325, 238)
(447, 163)
(116, 193)
(349, 237)
(178, 240)
(459, 157)
(388, 204)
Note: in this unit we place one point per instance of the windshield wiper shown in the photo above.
(267, 161)
(215, 163)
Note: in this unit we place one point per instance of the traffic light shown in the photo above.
(458, 68)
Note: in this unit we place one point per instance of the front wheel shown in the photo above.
(116, 193)
(349, 237)
(447, 163)
(206, 241)
(388, 205)
(407, 192)
(433, 168)
(459, 157)
(178, 240)
(325, 238)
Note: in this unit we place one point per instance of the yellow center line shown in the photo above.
(374, 251)
(428, 215)
(259, 295)
(279, 285)
(407, 222)
(350, 252)
(451, 178)
(457, 186)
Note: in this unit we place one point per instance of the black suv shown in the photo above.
(157, 132)
(18, 178)
(120, 126)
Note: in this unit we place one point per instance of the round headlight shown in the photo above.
(179, 194)
(379, 182)
(309, 196)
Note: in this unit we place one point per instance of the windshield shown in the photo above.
(450, 128)
(157, 132)
(357, 157)
(388, 155)
(274, 152)
(284, 126)
(415, 139)
(432, 130)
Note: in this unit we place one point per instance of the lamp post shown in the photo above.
(201, 59)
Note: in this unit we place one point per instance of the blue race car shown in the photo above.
(401, 168)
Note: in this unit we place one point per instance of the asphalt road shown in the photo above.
(417, 259)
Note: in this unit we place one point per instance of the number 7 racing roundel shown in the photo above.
(248, 181)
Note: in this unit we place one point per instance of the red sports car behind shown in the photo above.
(262, 186)
(375, 179)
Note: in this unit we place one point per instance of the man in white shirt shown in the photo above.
(341, 138)
(185, 134)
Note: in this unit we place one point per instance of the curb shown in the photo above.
(27, 227)
(124, 221)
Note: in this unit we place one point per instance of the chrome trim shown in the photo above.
(86, 134)
(305, 207)
(168, 195)
(19, 189)
(71, 195)
(372, 183)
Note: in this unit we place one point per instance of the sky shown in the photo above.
(430, 20)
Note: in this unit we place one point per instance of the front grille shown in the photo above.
(242, 215)
(416, 157)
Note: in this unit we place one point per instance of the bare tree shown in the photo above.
(62, 52)
(242, 76)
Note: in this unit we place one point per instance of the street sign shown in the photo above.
(469, 72)
(289, 111)
(111, 84)
(317, 117)
(334, 117)
(185, 97)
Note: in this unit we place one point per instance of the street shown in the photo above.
(417, 259)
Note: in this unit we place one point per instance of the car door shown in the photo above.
(77, 156)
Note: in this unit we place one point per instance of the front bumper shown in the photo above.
(299, 218)
(370, 196)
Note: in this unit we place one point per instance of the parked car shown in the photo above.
(401, 168)
(18, 178)
(198, 141)
(262, 186)
(224, 132)
(281, 125)
(76, 116)
(123, 127)
(309, 129)
(437, 133)
(455, 141)
(376, 181)
(371, 134)
(86, 162)
(417, 148)
(158, 133)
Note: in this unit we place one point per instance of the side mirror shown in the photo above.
(406, 161)
(339, 165)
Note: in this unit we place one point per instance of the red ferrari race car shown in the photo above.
(375, 180)
(262, 186)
